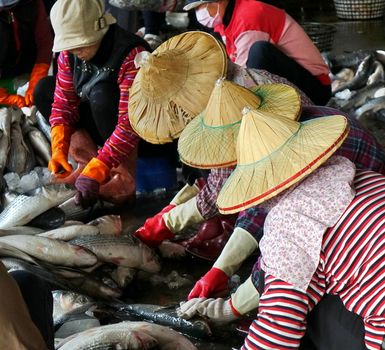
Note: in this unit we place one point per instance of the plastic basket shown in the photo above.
(359, 9)
(322, 34)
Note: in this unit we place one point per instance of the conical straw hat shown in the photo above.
(209, 141)
(174, 84)
(274, 153)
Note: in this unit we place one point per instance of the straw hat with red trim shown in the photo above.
(274, 153)
(174, 84)
(209, 140)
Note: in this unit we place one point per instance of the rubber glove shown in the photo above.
(216, 310)
(240, 245)
(245, 299)
(145, 232)
(60, 143)
(164, 225)
(11, 100)
(39, 70)
(154, 231)
(214, 281)
(88, 182)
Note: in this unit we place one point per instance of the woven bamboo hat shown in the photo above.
(274, 153)
(209, 141)
(174, 84)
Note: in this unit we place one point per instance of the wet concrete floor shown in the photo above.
(351, 35)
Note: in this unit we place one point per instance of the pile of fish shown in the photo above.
(43, 231)
(95, 259)
(24, 140)
(95, 316)
(127, 335)
(358, 86)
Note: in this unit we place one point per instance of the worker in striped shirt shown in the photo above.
(97, 65)
(323, 234)
(95, 70)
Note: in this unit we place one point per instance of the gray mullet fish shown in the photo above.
(166, 316)
(120, 250)
(25, 208)
(101, 338)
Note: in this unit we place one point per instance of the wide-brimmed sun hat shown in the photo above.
(274, 153)
(174, 84)
(78, 23)
(209, 140)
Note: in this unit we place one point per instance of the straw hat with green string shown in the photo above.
(209, 140)
(174, 84)
(274, 153)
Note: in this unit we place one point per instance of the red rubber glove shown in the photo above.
(11, 100)
(214, 281)
(154, 231)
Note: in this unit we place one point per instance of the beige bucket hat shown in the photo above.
(209, 140)
(78, 23)
(174, 84)
(274, 153)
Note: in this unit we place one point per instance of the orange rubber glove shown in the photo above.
(60, 144)
(11, 100)
(39, 70)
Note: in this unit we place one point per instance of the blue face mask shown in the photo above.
(204, 18)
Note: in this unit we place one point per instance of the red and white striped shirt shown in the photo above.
(65, 108)
(352, 266)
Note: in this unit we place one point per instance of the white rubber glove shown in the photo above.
(182, 216)
(218, 310)
(188, 309)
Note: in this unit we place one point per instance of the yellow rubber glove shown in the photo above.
(60, 143)
(40, 70)
(11, 100)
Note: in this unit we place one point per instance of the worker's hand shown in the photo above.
(58, 165)
(11, 100)
(216, 310)
(95, 174)
(40, 70)
(154, 231)
(213, 282)
(87, 191)
(60, 143)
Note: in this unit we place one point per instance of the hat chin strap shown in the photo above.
(104, 21)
